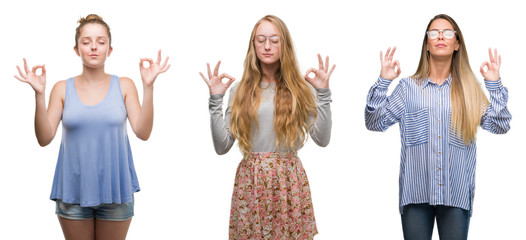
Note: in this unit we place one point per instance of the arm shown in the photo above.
(46, 120)
(497, 118)
(381, 111)
(221, 136)
(141, 118)
(320, 130)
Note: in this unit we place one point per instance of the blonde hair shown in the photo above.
(468, 101)
(91, 18)
(294, 101)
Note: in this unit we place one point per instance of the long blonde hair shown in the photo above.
(293, 103)
(468, 101)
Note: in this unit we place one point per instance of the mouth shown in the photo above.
(267, 54)
(93, 55)
(440, 45)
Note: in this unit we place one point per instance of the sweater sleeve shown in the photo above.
(320, 129)
(221, 136)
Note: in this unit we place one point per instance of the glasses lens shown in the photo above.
(432, 34)
(261, 39)
(449, 34)
(274, 40)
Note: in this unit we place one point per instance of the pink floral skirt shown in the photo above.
(271, 199)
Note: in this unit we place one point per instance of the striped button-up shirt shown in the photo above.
(436, 166)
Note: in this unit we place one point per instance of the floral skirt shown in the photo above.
(271, 199)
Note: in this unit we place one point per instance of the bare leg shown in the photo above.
(111, 230)
(78, 229)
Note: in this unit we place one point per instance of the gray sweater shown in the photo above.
(264, 139)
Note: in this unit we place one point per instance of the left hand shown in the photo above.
(149, 74)
(321, 78)
(492, 74)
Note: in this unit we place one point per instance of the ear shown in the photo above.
(109, 51)
(457, 45)
(76, 51)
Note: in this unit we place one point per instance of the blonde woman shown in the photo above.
(439, 110)
(270, 113)
(95, 176)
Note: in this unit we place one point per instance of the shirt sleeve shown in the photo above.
(220, 126)
(382, 111)
(320, 129)
(497, 118)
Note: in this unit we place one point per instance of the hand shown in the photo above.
(492, 74)
(321, 78)
(215, 84)
(149, 74)
(390, 69)
(37, 82)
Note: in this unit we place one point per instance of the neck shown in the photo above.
(268, 72)
(93, 75)
(440, 69)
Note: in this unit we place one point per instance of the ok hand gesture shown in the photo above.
(321, 78)
(37, 82)
(214, 81)
(492, 74)
(149, 74)
(390, 69)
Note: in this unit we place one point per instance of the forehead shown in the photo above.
(440, 24)
(93, 29)
(266, 28)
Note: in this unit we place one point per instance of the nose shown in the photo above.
(267, 43)
(93, 46)
(441, 35)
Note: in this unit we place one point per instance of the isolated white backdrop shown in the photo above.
(186, 187)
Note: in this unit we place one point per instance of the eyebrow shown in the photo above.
(98, 37)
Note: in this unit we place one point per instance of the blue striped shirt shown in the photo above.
(436, 166)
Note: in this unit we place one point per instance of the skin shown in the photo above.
(268, 56)
(441, 54)
(92, 86)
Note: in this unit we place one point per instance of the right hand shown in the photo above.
(37, 82)
(390, 69)
(215, 84)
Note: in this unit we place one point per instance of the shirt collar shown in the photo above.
(428, 80)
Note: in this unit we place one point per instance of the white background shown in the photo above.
(186, 187)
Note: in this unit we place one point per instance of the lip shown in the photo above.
(440, 45)
(93, 55)
(267, 54)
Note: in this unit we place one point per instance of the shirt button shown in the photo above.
(440, 168)
(439, 137)
(439, 152)
(440, 184)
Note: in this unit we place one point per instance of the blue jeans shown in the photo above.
(108, 212)
(418, 221)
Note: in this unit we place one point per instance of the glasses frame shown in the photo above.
(440, 31)
(267, 38)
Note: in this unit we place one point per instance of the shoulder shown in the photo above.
(59, 87)
(234, 87)
(126, 84)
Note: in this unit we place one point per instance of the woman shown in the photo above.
(95, 177)
(270, 113)
(439, 109)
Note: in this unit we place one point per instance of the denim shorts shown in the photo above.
(108, 212)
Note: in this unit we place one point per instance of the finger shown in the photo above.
(230, 82)
(165, 62)
(320, 62)
(216, 69)
(163, 70)
(486, 63)
(20, 79)
(204, 78)
(20, 72)
(392, 53)
(158, 57)
(310, 70)
(490, 55)
(397, 64)
(332, 69)
(500, 60)
(25, 66)
(34, 69)
(209, 71)
(44, 70)
(224, 75)
(149, 60)
(381, 57)
(326, 63)
(386, 57)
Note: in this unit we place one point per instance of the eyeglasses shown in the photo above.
(448, 33)
(260, 40)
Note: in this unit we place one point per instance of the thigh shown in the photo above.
(418, 221)
(111, 230)
(452, 223)
(74, 229)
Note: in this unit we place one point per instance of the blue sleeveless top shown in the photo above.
(95, 164)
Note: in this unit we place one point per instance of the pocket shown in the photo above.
(455, 140)
(417, 127)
